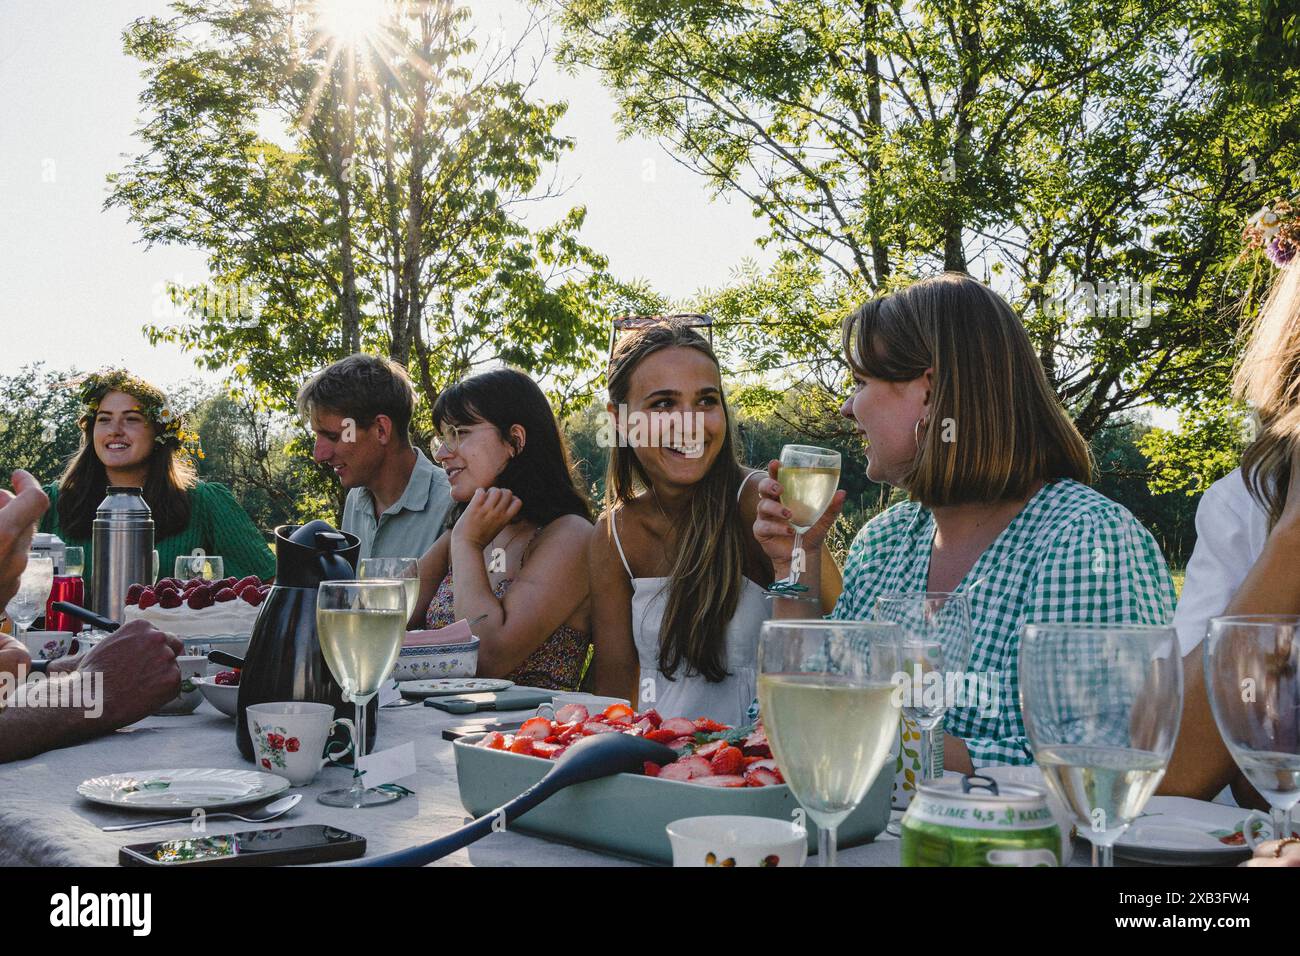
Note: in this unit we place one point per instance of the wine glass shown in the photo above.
(404, 570)
(33, 591)
(209, 567)
(830, 710)
(74, 561)
(1251, 677)
(808, 477)
(1101, 706)
(360, 625)
(935, 647)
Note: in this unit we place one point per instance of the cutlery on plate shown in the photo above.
(271, 811)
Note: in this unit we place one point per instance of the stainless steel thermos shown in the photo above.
(121, 550)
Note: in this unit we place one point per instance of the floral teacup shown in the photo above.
(289, 738)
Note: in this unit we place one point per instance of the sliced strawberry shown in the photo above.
(650, 769)
(596, 727)
(709, 749)
(680, 726)
(651, 715)
(753, 760)
(617, 712)
(727, 761)
(539, 728)
(571, 713)
(548, 750)
(493, 741)
(570, 733)
(660, 736)
(756, 745)
(695, 767)
(677, 743)
(675, 771)
(762, 777)
(522, 745)
(642, 727)
(726, 780)
(705, 725)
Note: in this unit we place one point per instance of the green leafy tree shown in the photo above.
(38, 422)
(358, 192)
(1091, 159)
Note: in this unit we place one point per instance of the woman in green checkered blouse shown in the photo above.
(955, 409)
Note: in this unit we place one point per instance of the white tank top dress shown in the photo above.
(728, 700)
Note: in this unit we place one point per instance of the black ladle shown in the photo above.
(591, 758)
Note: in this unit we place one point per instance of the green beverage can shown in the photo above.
(974, 821)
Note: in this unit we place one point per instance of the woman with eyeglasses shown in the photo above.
(677, 579)
(517, 554)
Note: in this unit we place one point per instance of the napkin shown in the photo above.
(457, 633)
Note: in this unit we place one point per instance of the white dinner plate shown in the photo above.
(453, 685)
(1185, 831)
(206, 788)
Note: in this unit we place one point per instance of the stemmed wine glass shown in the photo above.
(1251, 677)
(209, 567)
(1101, 706)
(808, 477)
(406, 571)
(361, 625)
(935, 647)
(33, 590)
(830, 711)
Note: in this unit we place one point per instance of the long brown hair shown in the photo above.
(1268, 377)
(710, 549)
(995, 425)
(166, 487)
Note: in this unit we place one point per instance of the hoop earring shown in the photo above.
(916, 432)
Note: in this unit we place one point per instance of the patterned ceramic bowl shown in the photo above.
(430, 661)
(737, 841)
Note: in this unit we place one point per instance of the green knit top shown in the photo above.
(217, 525)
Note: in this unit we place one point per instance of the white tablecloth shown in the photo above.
(43, 821)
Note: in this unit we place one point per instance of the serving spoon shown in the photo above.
(591, 758)
(269, 812)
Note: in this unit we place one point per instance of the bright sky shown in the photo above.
(76, 286)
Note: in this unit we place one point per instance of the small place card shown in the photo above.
(389, 694)
(387, 766)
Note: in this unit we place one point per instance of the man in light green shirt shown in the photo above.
(360, 411)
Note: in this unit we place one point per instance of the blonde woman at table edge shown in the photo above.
(1248, 536)
(518, 549)
(677, 578)
(953, 404)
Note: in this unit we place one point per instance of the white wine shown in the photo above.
(1104, 787)
(1275, 775)
(807, 492)
(360, 646)
(829, 736)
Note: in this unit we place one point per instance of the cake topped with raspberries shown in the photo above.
(198, 607)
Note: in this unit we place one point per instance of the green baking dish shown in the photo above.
(626, 814)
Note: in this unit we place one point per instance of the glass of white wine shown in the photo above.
(830, 710)
(360, 625)
(1252, 676)
(1101, 706)
(406, 571)
(209, 567)
(808, 477)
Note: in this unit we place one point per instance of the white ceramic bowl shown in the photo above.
(737, 841)
(224, 697)
(185, 702)
(433, 661)
(46, 645)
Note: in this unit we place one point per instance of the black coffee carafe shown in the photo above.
(284, 660)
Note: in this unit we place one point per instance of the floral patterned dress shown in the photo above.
(555, 665)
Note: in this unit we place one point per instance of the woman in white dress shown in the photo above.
(1247, 530)
(677, 579)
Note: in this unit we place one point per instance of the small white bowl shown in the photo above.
(737, 841)
(185, 702)
(224, 697)
(46, 645)
(433, 661)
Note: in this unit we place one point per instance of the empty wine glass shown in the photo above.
(808, 477)
(1251, 678)
(404, 570)
(33, 591)
(1101, 706)
(209, 567)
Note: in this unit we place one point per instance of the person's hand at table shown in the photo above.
(14, 658)
(1276, 853)
(19, 513)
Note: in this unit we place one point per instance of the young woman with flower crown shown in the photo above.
(131, 436)
(1247, 523)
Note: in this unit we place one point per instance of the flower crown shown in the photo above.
(169, 424)
(1276, 230)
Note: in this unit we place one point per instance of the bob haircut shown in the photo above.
(540, 473)
(994, 425)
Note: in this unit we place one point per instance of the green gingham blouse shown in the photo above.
(1071, 555)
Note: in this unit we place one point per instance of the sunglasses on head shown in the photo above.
(628, 323)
